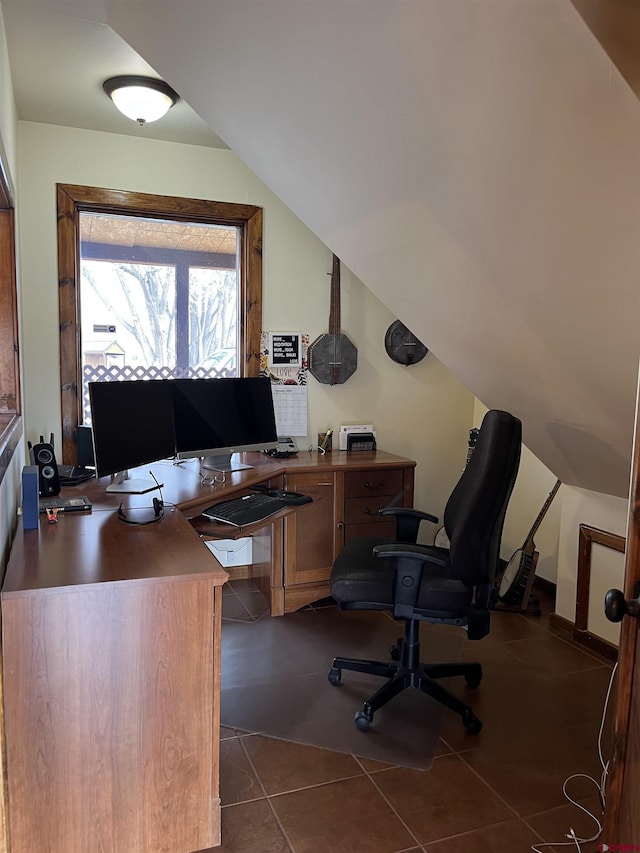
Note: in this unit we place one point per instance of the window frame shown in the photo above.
(72, 199)
(11, 426)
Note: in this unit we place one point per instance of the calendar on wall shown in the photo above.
(283, 358)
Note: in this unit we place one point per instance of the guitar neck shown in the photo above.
(473, 439)
(529, 545)
(334, 311)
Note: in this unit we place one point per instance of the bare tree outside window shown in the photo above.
(213, 313)
(139, 302)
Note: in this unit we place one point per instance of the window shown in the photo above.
(158, 299)
(153, 287)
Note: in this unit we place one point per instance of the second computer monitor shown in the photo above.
(216, 418)
(132, 424)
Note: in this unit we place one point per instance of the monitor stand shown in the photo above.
(225, 462)
(121, 483)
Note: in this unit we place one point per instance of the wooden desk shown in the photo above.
(111, 649)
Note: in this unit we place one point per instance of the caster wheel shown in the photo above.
(471, 724)
(335, 675)
(474, 678)
(362, 720)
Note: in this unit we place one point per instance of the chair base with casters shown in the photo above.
(424, 583)
(407, 672)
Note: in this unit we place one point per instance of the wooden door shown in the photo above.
(622, 818)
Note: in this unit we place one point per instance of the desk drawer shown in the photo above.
(381, 528)
(360, 484)
(365, 510)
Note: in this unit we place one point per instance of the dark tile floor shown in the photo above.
(541, 703)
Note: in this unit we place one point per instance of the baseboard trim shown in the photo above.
(545, 586)
(590, 641)
(565, 626)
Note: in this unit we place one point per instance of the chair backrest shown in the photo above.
(474, 514)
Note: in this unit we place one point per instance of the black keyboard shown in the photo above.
(245, 510)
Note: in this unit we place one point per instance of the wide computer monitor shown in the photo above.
(132, 424)
(217, 418)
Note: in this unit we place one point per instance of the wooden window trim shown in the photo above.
(11, 426)
(72, 200)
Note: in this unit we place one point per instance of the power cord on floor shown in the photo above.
(571, 835)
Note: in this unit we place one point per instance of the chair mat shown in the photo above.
(274, 682)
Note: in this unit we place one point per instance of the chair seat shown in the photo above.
(364, 581)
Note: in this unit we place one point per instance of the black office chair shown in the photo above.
(424, 583)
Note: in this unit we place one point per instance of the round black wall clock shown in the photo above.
(402, 345)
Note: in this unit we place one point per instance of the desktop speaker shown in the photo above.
(85, 447)
(48, 477)
(30, 501)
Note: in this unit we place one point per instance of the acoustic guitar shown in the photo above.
(332, 357)
(514, 585)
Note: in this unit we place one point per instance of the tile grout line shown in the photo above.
(395, 812)
(482, 828)
(267, 797)
(487, 785)
(363, 773)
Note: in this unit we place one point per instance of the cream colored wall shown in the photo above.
(606, 513)
(8, 118)
(10, 486)
(422, 411)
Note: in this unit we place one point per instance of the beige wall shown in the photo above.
(606, 513)
(422, 411)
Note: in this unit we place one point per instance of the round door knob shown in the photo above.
(616, 606)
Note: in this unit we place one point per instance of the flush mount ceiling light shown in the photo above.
(141, 99)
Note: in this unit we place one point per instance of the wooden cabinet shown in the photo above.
(111, 671)
(347, 489)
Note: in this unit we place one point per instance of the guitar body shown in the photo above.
(512, 589)
(517, 579)
(332, 357)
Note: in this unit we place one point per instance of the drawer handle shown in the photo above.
(373, 488)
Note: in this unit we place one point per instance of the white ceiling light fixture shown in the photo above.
(142, 99)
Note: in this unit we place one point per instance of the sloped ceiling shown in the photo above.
(476, 164)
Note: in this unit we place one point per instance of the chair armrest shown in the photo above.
(410, 561)
(407, 521)
(410, 552)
